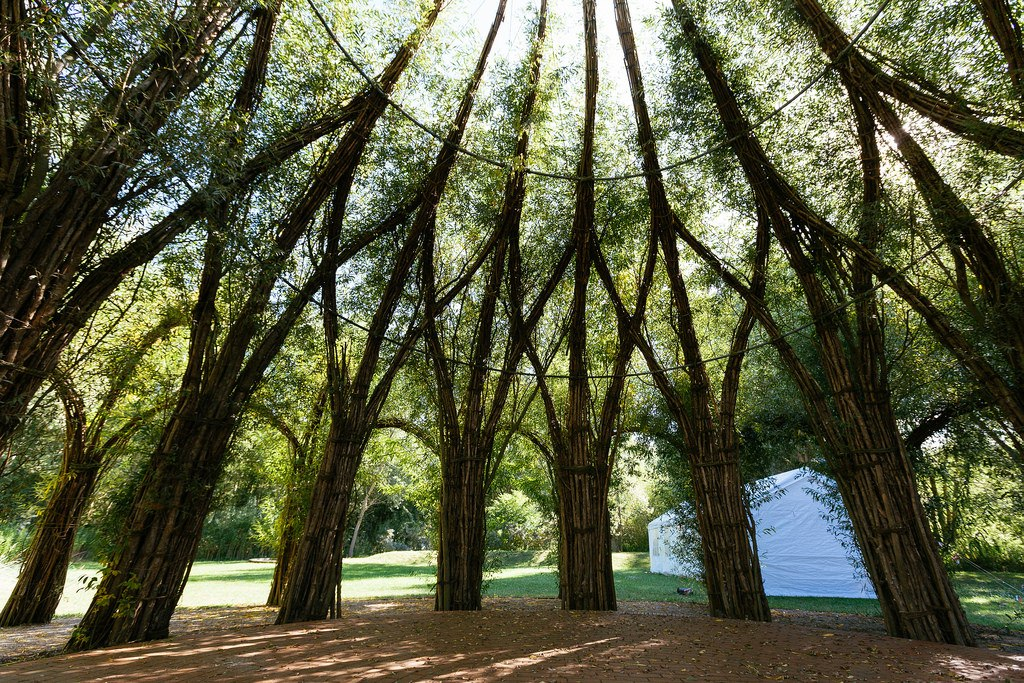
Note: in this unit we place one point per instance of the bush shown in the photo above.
(14, 540)
(229, 534)
(514, 522)
(990, 555)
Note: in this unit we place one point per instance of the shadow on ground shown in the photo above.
(407, 642)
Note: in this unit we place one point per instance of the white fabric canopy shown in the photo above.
(799, 554)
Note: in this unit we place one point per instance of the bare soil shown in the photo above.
(513, 639)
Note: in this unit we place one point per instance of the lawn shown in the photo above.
(989, 599)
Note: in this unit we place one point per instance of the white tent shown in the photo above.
(799, 554)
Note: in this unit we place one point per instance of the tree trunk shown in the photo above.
(285, 553)
(49, 229)
(1005, 29)
(314, 579)
(586, 581)
(461, 546)
(41, 579)
(148, 572)
(732, 573)
(467, 452)
(364, 506)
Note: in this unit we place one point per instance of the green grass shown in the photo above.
(988, 599)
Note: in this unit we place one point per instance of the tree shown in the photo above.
(150, 566)
(732, 573)
(89, 448)
(468, 429)
(858, 429)
(356, 401)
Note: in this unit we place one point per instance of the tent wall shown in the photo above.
(800, 555)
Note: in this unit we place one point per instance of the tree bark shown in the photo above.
(944, 109)
(45, 236)
(1005, 29)
(313, 582)
(40, 347)
(289, 523)
(40, 582)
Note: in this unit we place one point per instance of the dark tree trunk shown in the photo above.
(462, 533)
(285, 553)
(732, 573)
(149, 570)
(945, 109)
(996, 298)
(1004, 27)
(467, 455)
(314, 580)
(582, 467)
(39, 342)
(289, 524)
(49, 228)
(582, 454)
(41, 579)
(858, 429)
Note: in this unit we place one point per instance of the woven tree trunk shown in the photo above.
(858, 429)
(1005, 29)
(49, 227)
(582, 453)
(732, 573)
(987, 282)
(40, 583)
(313, 582)
(467, 449)
(296, 495)
(41, 580)
(582, 472)
(144, 580)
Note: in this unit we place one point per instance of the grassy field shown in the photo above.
(988, 599)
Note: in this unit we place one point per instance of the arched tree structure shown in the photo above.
(583, 452)
(986, 281)
(88, 450)
(467, 449)
(41, 315)
(732, 572)
(145, 577)
(315, 575)
(857, 426)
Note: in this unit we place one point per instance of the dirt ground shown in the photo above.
(513, 640)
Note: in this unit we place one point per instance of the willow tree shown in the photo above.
(314, 577)
(986, 280)
(732, 573)
(64, 190)
(90, 446)
(855, 422)
(146, 575)
(1005, 29)
(469, 427)
(582, 451)
(53, 217)
(304, 442)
